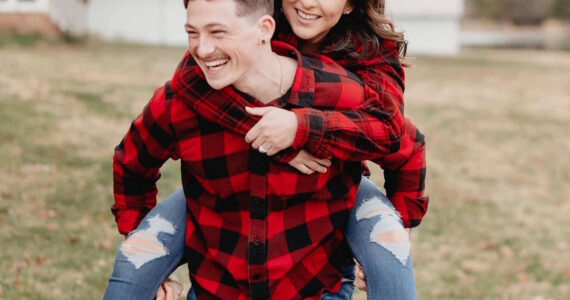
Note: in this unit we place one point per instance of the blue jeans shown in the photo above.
(374, 232)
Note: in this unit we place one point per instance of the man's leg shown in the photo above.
(151, 252)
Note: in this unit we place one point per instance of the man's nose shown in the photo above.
(205, 47)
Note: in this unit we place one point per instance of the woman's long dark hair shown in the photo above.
(366, 23)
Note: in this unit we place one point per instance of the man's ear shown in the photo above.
(266, 28)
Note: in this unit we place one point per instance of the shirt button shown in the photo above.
(255, 276)
(256, 242)
(256, 202)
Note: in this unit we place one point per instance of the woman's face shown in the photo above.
(311, 20)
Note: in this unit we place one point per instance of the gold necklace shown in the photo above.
(281, 79)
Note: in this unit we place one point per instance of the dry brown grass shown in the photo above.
(496, 123)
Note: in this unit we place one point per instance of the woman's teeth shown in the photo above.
(306, 16)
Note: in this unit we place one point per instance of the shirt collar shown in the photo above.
(300, 92)
(304, 80)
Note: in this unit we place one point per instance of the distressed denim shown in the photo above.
(388, 276)
(381, 245)
(139, 270)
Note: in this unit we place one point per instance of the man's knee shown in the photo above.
(143, 245)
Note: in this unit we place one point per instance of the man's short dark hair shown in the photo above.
(246, 7)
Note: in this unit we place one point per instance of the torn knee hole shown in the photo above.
(374, 207)
(143, 242)
(399, 236)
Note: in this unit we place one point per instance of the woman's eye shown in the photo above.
(192, 34)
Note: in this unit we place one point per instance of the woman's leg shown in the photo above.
(381, 245)
(151, 252)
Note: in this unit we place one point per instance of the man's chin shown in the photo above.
(216, 84)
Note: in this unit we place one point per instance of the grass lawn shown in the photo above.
(497, 125)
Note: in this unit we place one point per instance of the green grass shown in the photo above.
(498, 169)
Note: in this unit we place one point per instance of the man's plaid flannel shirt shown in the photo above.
(256, 227)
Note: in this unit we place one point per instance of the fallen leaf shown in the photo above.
(28, 262)
(41, 260)
(72, 240)
(17, 283)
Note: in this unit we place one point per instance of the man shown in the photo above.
(255, 228)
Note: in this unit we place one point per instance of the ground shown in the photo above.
(496, 123)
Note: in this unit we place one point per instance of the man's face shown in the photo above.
(223, 44)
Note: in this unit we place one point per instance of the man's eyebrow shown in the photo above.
(210, 25)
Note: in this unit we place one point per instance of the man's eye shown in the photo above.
(192, 34)
(218, 33)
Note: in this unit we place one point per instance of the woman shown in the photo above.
(369, 49)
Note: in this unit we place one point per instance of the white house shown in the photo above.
(430, 26)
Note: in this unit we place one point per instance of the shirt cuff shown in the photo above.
(310, 129)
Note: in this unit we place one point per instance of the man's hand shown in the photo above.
(275, 130)
(308, 164)
(169, 290)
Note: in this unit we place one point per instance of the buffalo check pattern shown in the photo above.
(404, 170)
(256, 227)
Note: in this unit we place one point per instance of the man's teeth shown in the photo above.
(306, 16)
(216, 63)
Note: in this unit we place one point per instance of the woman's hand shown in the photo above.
(169, 290)
(275, 130)
(308, 164)
(359, 279)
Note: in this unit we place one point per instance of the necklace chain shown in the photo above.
(281, 79)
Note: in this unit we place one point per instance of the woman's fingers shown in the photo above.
(323, 162)
(315, 166)
(160, 293)
(302, 168)
(359, 278)
(172, 289)
(308, 164)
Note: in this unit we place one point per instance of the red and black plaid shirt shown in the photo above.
(404, 170)
(256, 226)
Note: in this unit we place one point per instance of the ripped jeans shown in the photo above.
(374, 232)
